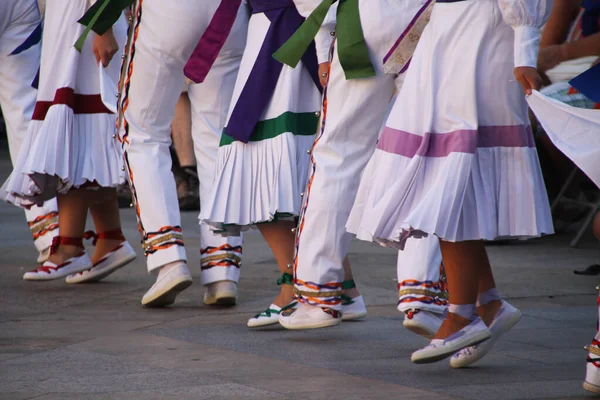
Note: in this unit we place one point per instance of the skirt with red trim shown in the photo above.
(71, 139)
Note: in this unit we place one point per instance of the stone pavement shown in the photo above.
(59, 341)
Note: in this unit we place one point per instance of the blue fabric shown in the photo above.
(34, 38)
(590, 20)
(588, 83)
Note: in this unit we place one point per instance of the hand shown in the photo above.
(529, 79)
(549, 57)
(324, 73)
(105, 47)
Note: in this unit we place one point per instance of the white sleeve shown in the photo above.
(326, 34)
(527, 18)
(325, 37)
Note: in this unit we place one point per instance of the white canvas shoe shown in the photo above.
(472, 334)
(270, 316)
(222, 293)
(50, 271)
(354, 309)
(116, 259)
(423, 323)
(505, 319)
(592, 372)
(309, 317)
(169, 283)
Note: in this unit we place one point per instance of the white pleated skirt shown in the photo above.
(457, 157)
(71, 139)
(262, 180)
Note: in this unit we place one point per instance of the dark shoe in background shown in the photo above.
(188, 189)
(124, 196)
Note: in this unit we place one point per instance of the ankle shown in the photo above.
(64, 252)
(488, 311)
(285, 297)
(451, 325)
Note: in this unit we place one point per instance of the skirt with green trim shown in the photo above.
(262, 180)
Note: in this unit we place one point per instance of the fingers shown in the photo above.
(534, 80)
(104, 56)
(524, 84)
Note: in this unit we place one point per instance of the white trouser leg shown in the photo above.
(18, 68)
(421, 282)
(166, 34)
(352, 120)
(220, 257)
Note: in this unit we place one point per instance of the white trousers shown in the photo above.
(164, 36)
(220, 257)
(19, 64)
(354, 112)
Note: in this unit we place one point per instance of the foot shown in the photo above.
(52, 270)
(44, 255)
(423, 323)
(305, 316)
(439, 349)
(172, 279)
(592, 374)
(269, 317)
(222, 293)
(353, 309)
(506, 317)
(119, 257)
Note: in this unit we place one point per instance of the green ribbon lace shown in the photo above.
(100, 18)
(269, 311)
(352, 48)
(286, 279)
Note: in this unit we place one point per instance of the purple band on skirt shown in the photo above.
(462, 141)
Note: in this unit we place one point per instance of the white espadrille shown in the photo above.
(112, 261)
(439, 349)
(50, 271)
(505, 319)
(305, 316)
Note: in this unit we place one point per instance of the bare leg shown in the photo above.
(104, 208)
(353, 292)
(464, 262)
(488, 311)
(181, 130)
(72, 213)
(281, 239)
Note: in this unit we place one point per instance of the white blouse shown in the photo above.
(527, 18)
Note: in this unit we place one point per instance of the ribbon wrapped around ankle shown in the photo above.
(208, 48)
(351, 45)
(261, 83)
(67, 241)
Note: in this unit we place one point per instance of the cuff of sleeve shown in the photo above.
(527, 43)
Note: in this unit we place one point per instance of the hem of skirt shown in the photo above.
(403, 235)
(222, 229)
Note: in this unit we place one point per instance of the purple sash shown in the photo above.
(260, 86)
(204, 55)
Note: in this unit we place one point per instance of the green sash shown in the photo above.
(352, 49)
(101, 17)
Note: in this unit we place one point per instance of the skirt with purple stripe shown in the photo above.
(457, 157)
